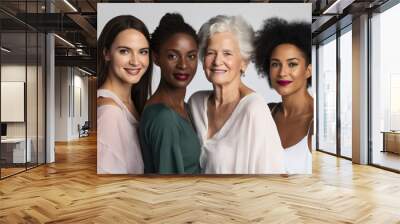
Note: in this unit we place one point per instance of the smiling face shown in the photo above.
(288, 69)
(177, 60)
(128, 57)
(223, 62)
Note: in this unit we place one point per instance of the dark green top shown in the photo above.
(168, 141)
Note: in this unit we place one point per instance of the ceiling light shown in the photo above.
(80, 51)
(70, 5)
(84, 71)
(5, 50)
(64, 40)
(337, 7)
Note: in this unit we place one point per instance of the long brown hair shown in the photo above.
(142, 89)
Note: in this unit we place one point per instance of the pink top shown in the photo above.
(118, 148)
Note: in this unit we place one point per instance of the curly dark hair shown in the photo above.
(170, 24)
(276, 31)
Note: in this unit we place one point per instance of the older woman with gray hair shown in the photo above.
(236, 129)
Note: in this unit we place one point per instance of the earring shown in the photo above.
(242, 73)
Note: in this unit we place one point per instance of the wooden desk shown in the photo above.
(15, 148)
(391, 141)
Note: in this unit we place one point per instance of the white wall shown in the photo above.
(80, 110)
(70, 83)
(13, 73)
(61, 103)
(33, 126)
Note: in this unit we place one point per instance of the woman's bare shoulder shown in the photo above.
(102, 101)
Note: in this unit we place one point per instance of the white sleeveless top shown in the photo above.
(118, 148)
(298, 158)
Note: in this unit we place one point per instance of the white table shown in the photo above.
(18, 148)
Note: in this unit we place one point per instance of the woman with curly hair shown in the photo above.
(283, 55)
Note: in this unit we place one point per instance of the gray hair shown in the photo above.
(234, 24)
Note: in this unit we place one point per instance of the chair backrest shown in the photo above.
(86, 125)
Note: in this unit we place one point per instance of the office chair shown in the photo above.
(84, 130)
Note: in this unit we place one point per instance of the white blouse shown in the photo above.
(118, 148)
(248, 143)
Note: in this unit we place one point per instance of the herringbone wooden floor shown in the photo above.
(69, 191)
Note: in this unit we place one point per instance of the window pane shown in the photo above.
(41, 98)
(385, 89)
(346, 94)
(15, 150)
(327, 97)
(31, 97)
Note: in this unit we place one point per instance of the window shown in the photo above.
(385, 89)
(327, 96)
(346, 92)
(22, 67)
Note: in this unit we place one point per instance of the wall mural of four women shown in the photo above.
(228, 130)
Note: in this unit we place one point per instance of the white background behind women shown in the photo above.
(197, 14)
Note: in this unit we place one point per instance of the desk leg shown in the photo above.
(384, 142)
